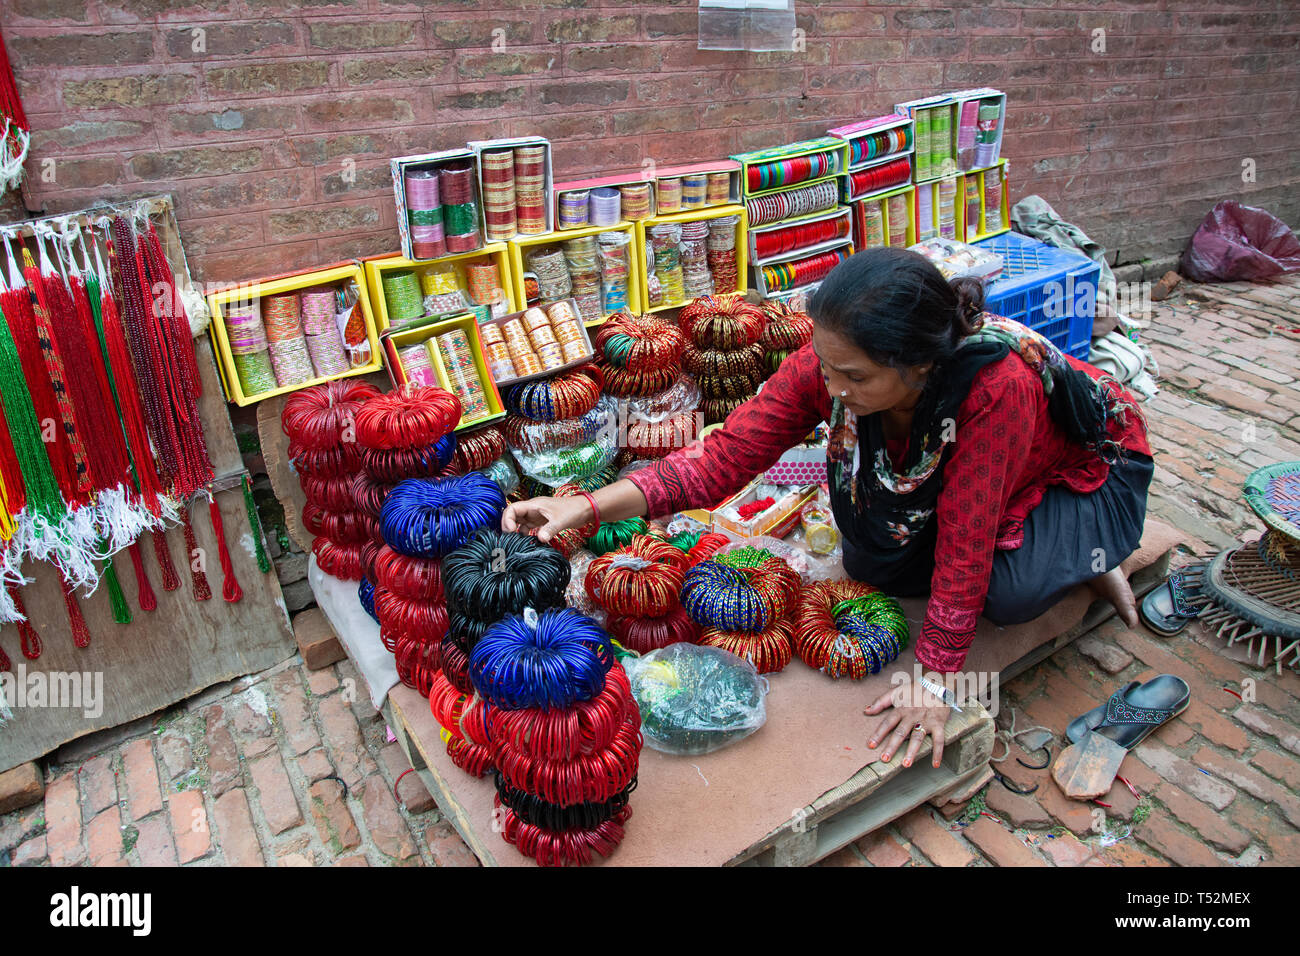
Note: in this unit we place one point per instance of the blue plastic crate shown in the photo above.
(1051, 290)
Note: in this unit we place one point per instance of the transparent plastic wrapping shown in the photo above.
(575, 595)
(562, 465)
(530, 437)
(695, 700)
(682, 396)
(503, 472)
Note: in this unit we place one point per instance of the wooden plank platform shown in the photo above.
(706, 828)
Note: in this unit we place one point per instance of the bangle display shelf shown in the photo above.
(929, 205)
(979, 137)
(897, 228)
(863, 140)
(829, 156)
(984, 215)
(599, 182)
(933, 136)
(1052, 291)
(521, 247)
(398, 336)
(400, 165)
(664, 174)
(644, 249)
(348, 275)
(480, 147)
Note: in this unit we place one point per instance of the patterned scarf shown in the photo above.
(883, 507)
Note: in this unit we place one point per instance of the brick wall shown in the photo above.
(272, 123)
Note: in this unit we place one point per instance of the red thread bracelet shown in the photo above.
(591, 527)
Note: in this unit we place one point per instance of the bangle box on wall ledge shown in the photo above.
(885, 220)
(767, 171)
(986, 201)
(697, 186)
(404, 291)
(597, 265)
(449, 353)
(687, 254)
(515, 183)
(604, 201)
(438, 210)
(280, 334)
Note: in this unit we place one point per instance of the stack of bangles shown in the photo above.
(464, 720)
(397, 464)
(477, 450)
(343, 527)
(719, 362)
(316, 419)
(717, 409)
(526, 435)
(569, 395)
(722, 322)
(647, 439)
(744, 610)
(706, 547)
(417, 579)
(366, 595)
(369, 495)
(424, 621)
(340, 461)
(644, 344)
(625, 383)
(735, 387)
(612, 535)
(848, 629)
(409, 418)
(786, 330)
(645, 634)
(642, 579)
(418, 664)
(431, 518)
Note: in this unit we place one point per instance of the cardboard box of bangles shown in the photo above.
(777, 520)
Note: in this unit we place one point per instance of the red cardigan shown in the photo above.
(1006, 453)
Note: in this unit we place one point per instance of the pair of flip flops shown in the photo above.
(1169, 608)
(1100, 739)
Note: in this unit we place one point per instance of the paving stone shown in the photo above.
(1279, 767)
(1285, 734)
(175, 753)
(411, 790)
(1017, 809)
(30, 853)
(881, 849)
(322, 682)
(1186, 775)
(1163, 835)
(140, 778)
(294, 713)
(1107, 656)
(1251, 781)
(334, 822)
(235, 829)
(447, 848)
(940, 847)
(1211, 825)
(63, 821)
(21, 786)
(314, 765)
(190, 827)
(154, 844)
(223, 755)
(384, 822)
(1065, 850)
(104, 838)
(275, 793)
(98, 786)
(1000, 845)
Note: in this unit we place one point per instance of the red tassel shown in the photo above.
(28, 639)
(5, 663)
(148, 602)
(80, 633)
(202, 592)
(230, 589)
(170, 579)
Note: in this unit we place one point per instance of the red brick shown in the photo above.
(223, 757)
(236, 834)
(275, 793)
(1020, 810)
(190, 827)
(33, 852)
(314, 765)
(845, 856)
(104, 838)
(447, 848)
(1285, 850)
(1186, 775)
(1125, 853)
(1279, 767)
(935, 841)
(322, 682)
(1264, 723)
(881, 849)
(1159, 832)
(1255, 784)
(343, 739)
(140, 778)
(1075, 815)
(316, 640)
(21, 786)
(338, 831)
(1065, 850)
(351, 861)
(999, 844)
(294, 713)
(63, 821)
(174, 751)
(411, 790)
(154, 844)
(388, 830)
(1212, 826)
(98, 785)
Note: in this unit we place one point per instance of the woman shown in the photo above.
(967, 457)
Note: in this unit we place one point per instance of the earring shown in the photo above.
(844, 393)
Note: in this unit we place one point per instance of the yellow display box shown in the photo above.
(980, 228)
(377, 266)
(521, 247)
(909, 227)
(397, 340)
(694, 215)
(349, 273)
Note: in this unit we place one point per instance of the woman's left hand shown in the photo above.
(910, 724)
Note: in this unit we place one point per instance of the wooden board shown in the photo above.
(870, 797)
(174, 652)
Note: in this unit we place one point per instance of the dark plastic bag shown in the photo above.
(1240, 242)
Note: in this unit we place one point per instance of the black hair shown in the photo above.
(897, 307)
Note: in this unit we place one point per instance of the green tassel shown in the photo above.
(263, 562)
(43, 495)
(121, 610)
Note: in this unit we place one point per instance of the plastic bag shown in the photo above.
(1240, 242)
(695, 700)
(557, 466)
(682, 396)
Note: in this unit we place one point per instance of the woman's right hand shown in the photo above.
(546, 517)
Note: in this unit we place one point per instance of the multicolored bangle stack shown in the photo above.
(785, 331)
(744, 610)
(848, 629)
(724, 332)
(638, 586)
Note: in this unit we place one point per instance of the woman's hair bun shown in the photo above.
(970, 304)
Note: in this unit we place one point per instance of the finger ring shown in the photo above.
(919, 727)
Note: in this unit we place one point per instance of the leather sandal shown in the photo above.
(1169, 608)
(1133, 711)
